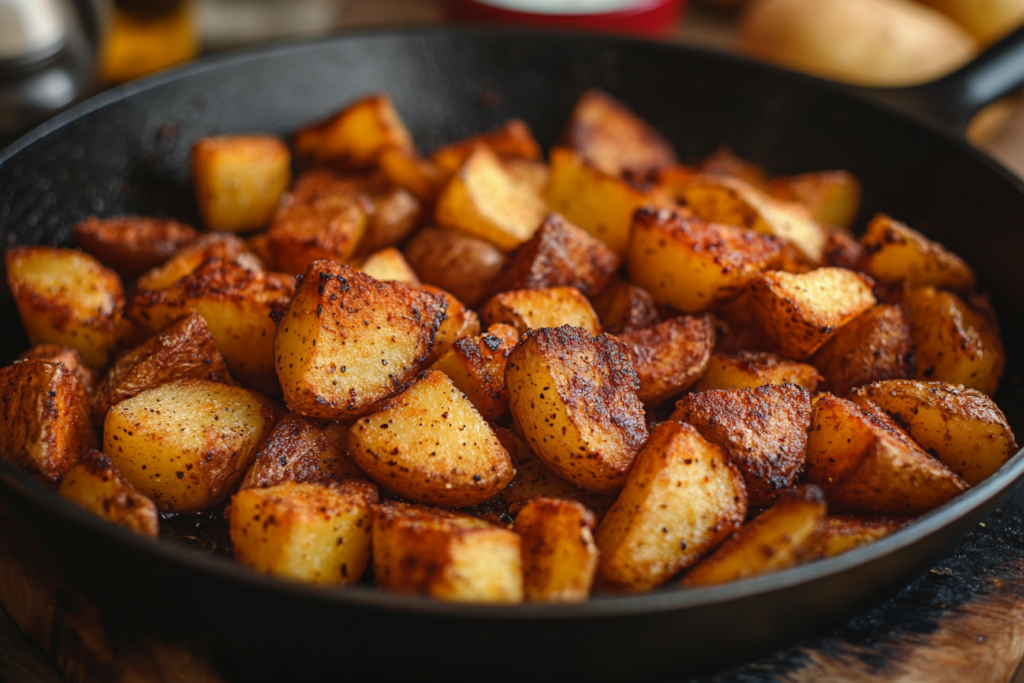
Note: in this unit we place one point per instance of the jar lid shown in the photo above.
(650, 17)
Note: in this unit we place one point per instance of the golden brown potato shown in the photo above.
(356, 136)
(313, 533)
(532, 174)
(186, 444)
(66, 297)
(45, 418)
(218, 245)
(459, 322)
(346, 341)
(961, 427)
(787, 534)
(528, 309)
(405, 169)
(670, 356)
(388, 265)
(559, 554)
(238, 180)
(895, 253)
(693, 265)
(843, 533)
(876, 345)
(748, 369)
(842, 251)
(69, 358)
(446, 555)
(514, 139)
(131, 245)
(574, 399)
(763, 429)
(455, 262)
(724, 162)
(476, 366)
(800, 312)
(430, 445)
(682, 498)
(986, 21)
(624, 307)
(94, 483)
(395, 214)
(833, 197)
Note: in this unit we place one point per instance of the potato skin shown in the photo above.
(94, 484)
(476, 365)
(461, 264)
(559, 554)
(748, 369)
(131, 245)
(623, 307)
(69, 358)
(221, 245)
(528, 309)
(670, 356)
(876, 345)
(459, 322)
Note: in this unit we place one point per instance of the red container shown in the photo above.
(652, 18)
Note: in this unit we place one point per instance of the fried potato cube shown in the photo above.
(220, 245)
(69, 358)
(94, 484)
(395, 214)
(895, 253)
(45, 418)
(876, 345)
(476, 366)
(514, 139)
(748, 369)
(445, 555)
(842, 251)
(314, 533)
(405, 169)
(346, 341)
(66, 297)
(459, 322)
(799, 313)
(528, 309)
(962, 427)
(952, 342)
(670, 356)
(388, 265)
(131, 245)
(573, 398)
(356, 136)
(559, 554)
(458, 263)
(483, 200)
(595, 201)
(239, 179)
(724, 162)
(559, 255)
(693, 265)
(532, 174)
(624, 307)
(785, 535)
(682, 498)
(864, 463)
(430, 445)
(833, 197)
(186, 444)
(843, 533)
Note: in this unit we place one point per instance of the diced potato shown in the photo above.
(842, 251)
(483, 200)
(218, 245)
(459, 322)
(895, 253)
(45, 418)
(574, 399)
(513, 139)
(961, 427)
(69, 358)
(724, 162)
(833, 197)
(528, 309)
(876, 345)
(737, 329)
(670, 356)
(694, 265)
(559, 554)
(395, 214)
(476, 366)
(800, 312)
(131, 245)
(346, 341)
(748, 369)
(463, 265)
(682, 498)
(405, 169)
(186, 444)
(446, 555)
(624, 307)
(953, 343)
(66, 297)
(843, 533)
(239, 179)
(388, 265)
(787, 534)
(313, 533)
(356, 136)
(533, 174)
(94, 484)
(430, 445)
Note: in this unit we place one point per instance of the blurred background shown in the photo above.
(56, 52)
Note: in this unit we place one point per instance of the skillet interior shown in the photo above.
(127, 151)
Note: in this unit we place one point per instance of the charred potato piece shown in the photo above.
(559, 554)
(842, 251)
(346, 341)
(670, 356)
(833, 197)
(624, 307)
(463, 265)
(131, 245)
(748, 369)
(682, 498)
(895, 253)
(388, 265)
(69, 358)
(186, 444)
(66, 297)
(843, 533)
(724, 162)
(514, 139)
(476, 366)
(574, 399)
(528, 309)
(405, 169)
(446, 555)
(313, 533)
(94, 484)
(220, 245)
(785, 535)
(356, 136)
(459, 322)
(876, 345)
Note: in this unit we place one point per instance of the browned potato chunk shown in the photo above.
(877, 345)
(748, 369)
(94, 484)
(455, 262)
(559, 554)
(514, 139)
(388, 265)
(574, 399)
(800, 312)
(346, 341)
(833, 197)
(476, 366)
(45, 418)
(69, 358)
(430, 445)
(693, 265)
(446, 555)
(961, 427)
(131, 245)
(186, 444)
(395, 214)
(405, 169)
(356, 136)
(219, 245)
(843, 533)
(682, 498)
(66, 297)
(783, 536)
(723, 161)
(459, 322)
(895, 253)
(670, 356)
(528, 309)
(624, 307)
(313, 533)
(842, 251)
(238, 180)
(532, 174)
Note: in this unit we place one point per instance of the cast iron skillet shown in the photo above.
(126, 152)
